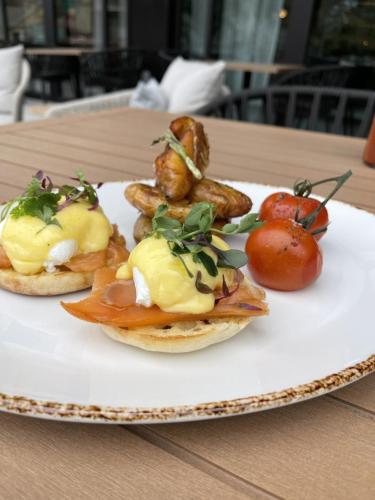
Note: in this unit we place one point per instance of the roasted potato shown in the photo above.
(228, 201)
(173, 177)
(148, 198)
(142, 227)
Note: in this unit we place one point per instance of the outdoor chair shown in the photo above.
(325, 109)
(11, 103)
(111, 69)
(52, 71)
(91, 104)
(186, 85)
(121, 68)
(156, 62)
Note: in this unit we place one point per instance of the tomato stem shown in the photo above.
(319, 231)
(309, 220)
(304, 187)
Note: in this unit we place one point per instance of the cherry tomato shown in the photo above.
(283, 256)
(287, 206)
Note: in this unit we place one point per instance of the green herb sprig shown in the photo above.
(195, 235)
(42, 199)
(172, 141)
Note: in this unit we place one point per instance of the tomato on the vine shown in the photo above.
(309, 212)
(282, 255)
(283, 205)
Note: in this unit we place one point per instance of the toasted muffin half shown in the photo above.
(46, 284)
(184, 336)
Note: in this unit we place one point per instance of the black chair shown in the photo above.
(334, 110)
(111, 69)
(157, 62)
(52, 71)
(122, 68)
(353, 77)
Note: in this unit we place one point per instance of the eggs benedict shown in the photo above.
(161, 279)
(52, 239)
(180, 290)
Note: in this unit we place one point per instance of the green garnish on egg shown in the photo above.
(42, 199)
(195, 234)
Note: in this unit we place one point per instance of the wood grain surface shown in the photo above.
(324, 448)
(57, 51)
(254, 67)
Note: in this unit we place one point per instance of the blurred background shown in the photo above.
(306, 32)
(82, 48)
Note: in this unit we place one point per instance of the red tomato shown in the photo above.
(287, 206)
(283, 256)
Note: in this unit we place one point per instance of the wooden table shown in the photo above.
(58, 51)
(253, 67)
(248, 68)
(323, 448)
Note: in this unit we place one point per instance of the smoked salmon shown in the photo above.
(4, 261)
(103, 305)
(115, 254)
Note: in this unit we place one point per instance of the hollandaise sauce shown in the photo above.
(33, 246)
(160, 278)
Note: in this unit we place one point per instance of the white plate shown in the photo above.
(55, 366)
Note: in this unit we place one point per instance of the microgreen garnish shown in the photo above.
(201, 287)
(43, 200)
(84, 191)
(225, 288)
(225, 291)
(171, 140)
(195, 235)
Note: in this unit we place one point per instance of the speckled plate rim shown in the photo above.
(73, 412)
(96, 414)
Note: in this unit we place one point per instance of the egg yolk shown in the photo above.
(27, 240)
(169, 285)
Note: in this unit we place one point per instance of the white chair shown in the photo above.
(186, 84)
(19, 94)
(91, 104)
(14, 79)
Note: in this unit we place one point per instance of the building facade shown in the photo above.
(292, 31)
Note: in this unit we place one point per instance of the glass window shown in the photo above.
(187, 35)
(26, 21)
(2, 26)
(117, 19)
(343, 30)
(233, 30)
(75, 22)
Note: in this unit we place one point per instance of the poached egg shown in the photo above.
(33, 246)
(160, 278)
